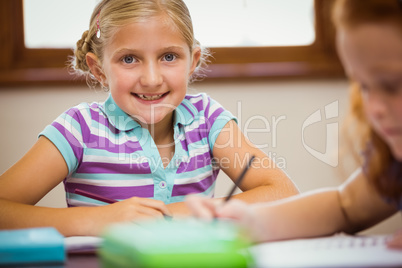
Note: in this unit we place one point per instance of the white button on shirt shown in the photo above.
(162, 184)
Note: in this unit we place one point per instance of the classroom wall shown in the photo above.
(297, 123)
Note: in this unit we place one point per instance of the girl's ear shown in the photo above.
(196, 59)
(96, 70)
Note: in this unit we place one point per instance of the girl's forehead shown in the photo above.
(380, 41)
(151, 34)
(160, 21)
(368, 50)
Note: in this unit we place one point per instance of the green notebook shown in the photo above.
(177, 243)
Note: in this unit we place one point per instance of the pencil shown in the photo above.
(238, 181)
(105, 199)
(95, 196)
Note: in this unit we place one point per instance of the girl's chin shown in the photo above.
(398, 156)
(148, 120)
(397, 153)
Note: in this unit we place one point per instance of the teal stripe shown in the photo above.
(62, 145)
(216, 128)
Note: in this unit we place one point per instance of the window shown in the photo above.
(307, 50)
(249, 23)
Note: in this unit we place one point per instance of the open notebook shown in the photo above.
(82, 244)
(336, 251)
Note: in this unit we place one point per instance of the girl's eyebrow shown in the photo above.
(134, 51)
(180, 48)
(123, 51)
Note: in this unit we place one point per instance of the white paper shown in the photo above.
(334, 251)
(82, 243)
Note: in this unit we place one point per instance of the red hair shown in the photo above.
(379, 165)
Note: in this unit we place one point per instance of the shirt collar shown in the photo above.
(117, 117)
(184, 115)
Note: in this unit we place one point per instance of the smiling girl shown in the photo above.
(149, 144)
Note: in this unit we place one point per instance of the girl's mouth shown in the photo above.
(150, 97)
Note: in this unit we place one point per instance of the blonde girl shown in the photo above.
(148, 145)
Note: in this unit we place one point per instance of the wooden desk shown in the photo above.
(90, 260)
(299, 251)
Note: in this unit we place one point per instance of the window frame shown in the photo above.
(23, 66)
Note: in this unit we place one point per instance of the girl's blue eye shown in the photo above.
(169, 57)
(128, 59)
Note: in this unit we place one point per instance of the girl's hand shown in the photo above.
(202, 207)
(236, 210)
(396, 241)
(129, 210)
(208, 209)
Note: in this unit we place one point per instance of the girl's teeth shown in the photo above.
(155, 97)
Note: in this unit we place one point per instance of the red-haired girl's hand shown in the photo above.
(396, 240)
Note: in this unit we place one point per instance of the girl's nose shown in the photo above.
(151, 75)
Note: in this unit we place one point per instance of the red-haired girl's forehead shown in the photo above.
(350, 13)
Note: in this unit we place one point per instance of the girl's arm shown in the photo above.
(264, 181)
(39, 171)
(352, 207)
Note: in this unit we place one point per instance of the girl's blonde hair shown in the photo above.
(109, 15)
(371, 151)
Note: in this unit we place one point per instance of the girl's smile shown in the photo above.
(150, 97)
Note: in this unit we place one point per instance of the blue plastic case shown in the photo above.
(31, 246)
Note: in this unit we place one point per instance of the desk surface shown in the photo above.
(82, 261)
(335, 251)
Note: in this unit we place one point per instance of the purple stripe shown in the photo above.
(117, 193)
(189, 97)
(215, 172)
(212, 118)
(94, 141)
(94, 105)
(196, 162)
(193, 188)
(102, 120)
(198, 134)
(111, 168)
(97, 142)
(194, 136)
(74, 143)
(184, 145)
(199, 105)
(77, 116)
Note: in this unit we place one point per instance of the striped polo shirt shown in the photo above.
(110, 154)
